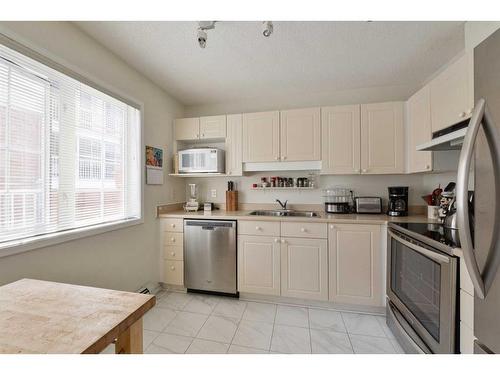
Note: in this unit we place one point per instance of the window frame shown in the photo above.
(26, 48)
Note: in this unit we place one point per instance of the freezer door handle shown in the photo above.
(480, 116)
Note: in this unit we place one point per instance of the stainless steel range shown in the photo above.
(422, 287)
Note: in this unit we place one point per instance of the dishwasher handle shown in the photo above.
(210, 224)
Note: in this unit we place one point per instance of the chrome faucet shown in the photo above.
(283, 205)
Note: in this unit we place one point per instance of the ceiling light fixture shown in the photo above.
(203, 26)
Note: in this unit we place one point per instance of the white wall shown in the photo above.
(123, 259)
(477, 31)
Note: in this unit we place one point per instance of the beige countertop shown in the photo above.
(322, 218)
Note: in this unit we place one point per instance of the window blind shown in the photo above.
(69, 153)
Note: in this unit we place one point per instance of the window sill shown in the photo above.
(37, 242)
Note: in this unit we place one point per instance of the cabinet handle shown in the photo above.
(276, 240)
(277, 158)
(172, 268)
(469, 112)
(284, 157)
(427, 167)
(172, 225)
(203, 135)
(332, 226)
(303, 230)
(364, 170)
(462, 114)
(258, 228)
(172, 253)
(283, 240)
(229, 172)
(172, 239)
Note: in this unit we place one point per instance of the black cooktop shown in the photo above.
(434, 232)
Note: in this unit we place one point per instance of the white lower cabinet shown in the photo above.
(173, 251)
(259, 264)
(355, 264)
(304, 268)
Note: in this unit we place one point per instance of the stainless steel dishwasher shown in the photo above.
(210, 256)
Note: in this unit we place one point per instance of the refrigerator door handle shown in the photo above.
(480, 116)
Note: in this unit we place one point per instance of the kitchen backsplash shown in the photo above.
(362, 185)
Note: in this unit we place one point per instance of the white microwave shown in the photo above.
(201, 160)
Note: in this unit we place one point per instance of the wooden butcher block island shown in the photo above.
(47, 317)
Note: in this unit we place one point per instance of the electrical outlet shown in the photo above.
(214, 193)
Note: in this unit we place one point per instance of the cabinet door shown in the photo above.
(259, 265)
(300, 138)
(382, 138)
(304, 268)
(234, 139)
(419, 131)
(451, 94)
(340, 140)
(355, 264)
(187, 129)
(261, 132)
(213, 127)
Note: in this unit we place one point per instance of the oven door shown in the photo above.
(422, 285)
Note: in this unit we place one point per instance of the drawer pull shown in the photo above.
(303, 230)
(172, 225)
(172, 253)
(276, 240)
(172, 239)
(172, 268)
(332, 226)
(258, 228)
(283, 240)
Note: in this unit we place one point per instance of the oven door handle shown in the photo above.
(442, 259)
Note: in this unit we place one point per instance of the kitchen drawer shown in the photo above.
(259, 228)
(174, 225)
(304, 230)
(467, 309)
(173, 272)
(173, 239)
(173, 252)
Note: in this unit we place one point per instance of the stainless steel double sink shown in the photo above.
(289, 213)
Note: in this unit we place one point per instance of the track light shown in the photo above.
(202, 33)
(267, 28)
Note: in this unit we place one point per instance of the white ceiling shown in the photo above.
(300, 57)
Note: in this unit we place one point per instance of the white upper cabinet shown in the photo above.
(234, 140)
(452, 94)
(261, 137)
(186, 129)
(382, 138)
(213, 127)
(419, 131)
(355, 264)
(300, 134)
(340, 140)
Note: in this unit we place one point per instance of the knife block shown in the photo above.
(231, 200)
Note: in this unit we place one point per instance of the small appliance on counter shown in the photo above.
(192, 204)
(398, 201)
(368, 205)
(338, 200)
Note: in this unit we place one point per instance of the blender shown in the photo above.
(192, 204)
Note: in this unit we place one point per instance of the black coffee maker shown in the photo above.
(398, 201)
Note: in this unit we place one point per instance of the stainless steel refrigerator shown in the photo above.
(480, 161)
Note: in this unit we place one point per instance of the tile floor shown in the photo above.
(193, 323)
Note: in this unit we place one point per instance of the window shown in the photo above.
(69, 153)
